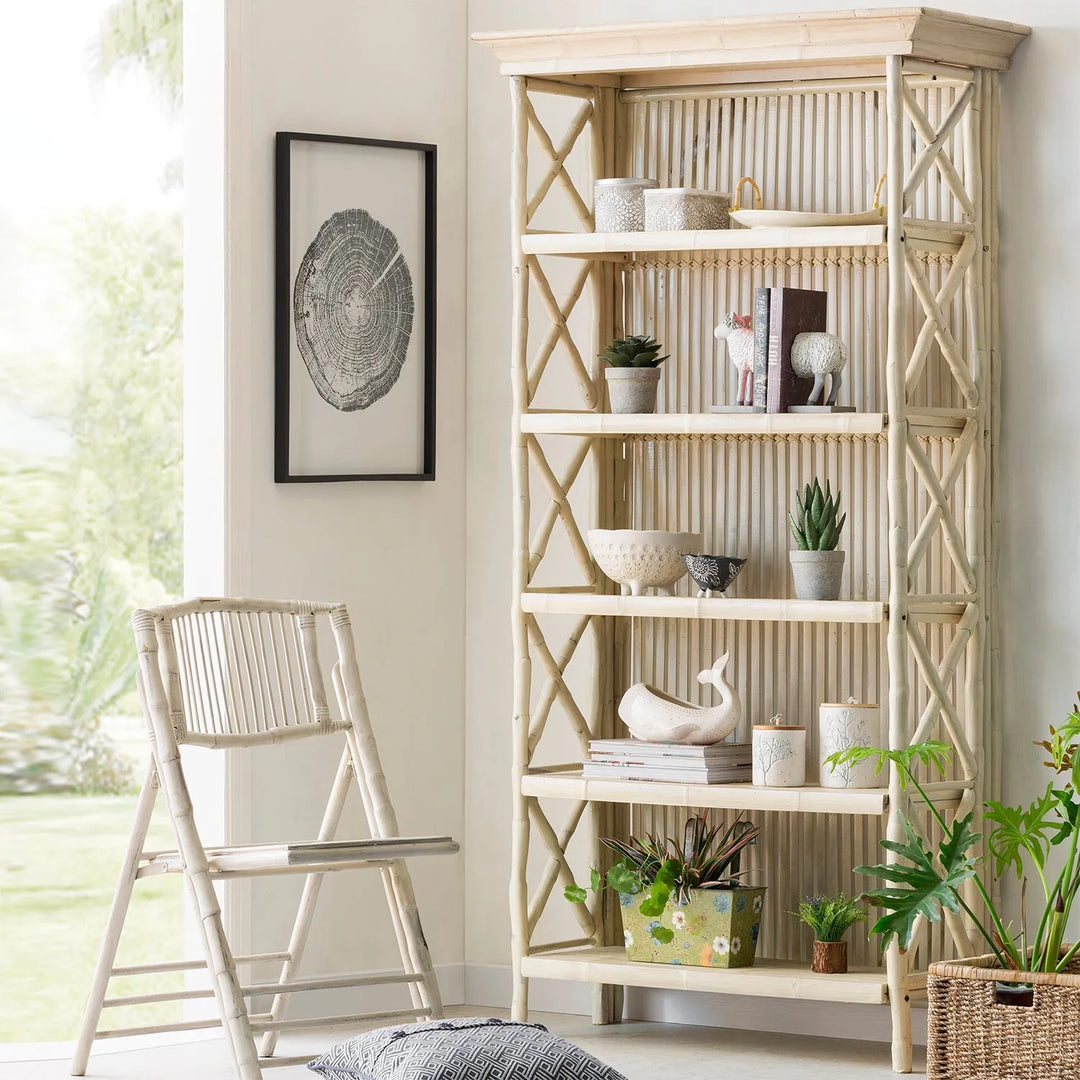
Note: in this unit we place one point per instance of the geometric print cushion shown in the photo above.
(468, 1048)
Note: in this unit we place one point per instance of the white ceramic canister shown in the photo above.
(668, 209)
(779, 755)
(619, 203)
(840, 727)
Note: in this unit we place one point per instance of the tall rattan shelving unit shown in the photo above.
(815, 107)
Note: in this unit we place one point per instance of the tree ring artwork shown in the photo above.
(353, 310)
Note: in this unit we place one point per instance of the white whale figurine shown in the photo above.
(656, 717)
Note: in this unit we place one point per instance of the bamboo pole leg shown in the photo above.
(404, 913)
(115, 925)
(519, 896)
(897, 965)
(308, 898)
(418, 998)
(607, 1003)
(897, 438)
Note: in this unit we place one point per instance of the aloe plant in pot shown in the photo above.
(682, 899)
(817, 566)
(633, 373)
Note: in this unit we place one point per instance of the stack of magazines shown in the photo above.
(634, 759)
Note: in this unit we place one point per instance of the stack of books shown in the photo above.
(633, 759)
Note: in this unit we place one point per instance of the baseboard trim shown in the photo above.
(488, 986)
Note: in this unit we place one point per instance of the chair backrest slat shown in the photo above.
(241, 672)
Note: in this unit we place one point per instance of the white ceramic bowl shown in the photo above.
(639, 560)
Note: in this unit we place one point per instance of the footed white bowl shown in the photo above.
(639, 559)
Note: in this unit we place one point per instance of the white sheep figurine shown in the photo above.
(816, 355)
(736, 331)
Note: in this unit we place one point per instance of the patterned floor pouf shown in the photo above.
(468, 1048)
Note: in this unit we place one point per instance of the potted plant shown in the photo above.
(1039, 972)
(830, 917)
(681, 900)
(633, 374)
(816, 565)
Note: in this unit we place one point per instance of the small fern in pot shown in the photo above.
(682, 898)
(830, 918)
(816, 564)
(633, 373)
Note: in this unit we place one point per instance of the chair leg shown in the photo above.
(115, 925)
(397, 883)
(312, 884)
(416, 944)
(222, 967)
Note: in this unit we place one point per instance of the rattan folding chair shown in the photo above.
(226, 673)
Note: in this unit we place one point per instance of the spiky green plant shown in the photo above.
(707, 857)
(830, 917)
(820, 521)
(634, 351)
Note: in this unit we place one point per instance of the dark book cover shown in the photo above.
(791, 312)
(761, 348)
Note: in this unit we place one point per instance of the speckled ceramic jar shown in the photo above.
(619, 204)
(668, 209)
(716, 928)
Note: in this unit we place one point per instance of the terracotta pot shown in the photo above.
(830, 957)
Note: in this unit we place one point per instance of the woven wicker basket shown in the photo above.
(970, 1037)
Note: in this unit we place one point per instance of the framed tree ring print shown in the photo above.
(354, 309)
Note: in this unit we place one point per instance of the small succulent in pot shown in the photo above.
(633, 373)
(830, 917)
(816, 564)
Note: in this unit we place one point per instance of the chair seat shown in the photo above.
(302, 858)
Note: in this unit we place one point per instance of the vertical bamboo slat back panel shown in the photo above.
(243, 675)
(816, 151)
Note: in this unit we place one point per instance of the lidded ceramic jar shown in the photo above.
(779, 754)
(840, 727)
(619, 203)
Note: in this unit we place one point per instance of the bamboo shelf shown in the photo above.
(815, 107)
(688, 607)
(581, 600)
(864, 802)
(923, 236)
(767, 978)
(943, 424)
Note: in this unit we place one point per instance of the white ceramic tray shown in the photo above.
(799, 219)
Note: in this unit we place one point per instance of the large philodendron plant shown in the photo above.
(926, 878)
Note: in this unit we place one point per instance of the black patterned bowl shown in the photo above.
(713, 573)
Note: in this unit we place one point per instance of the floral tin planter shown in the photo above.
(716, 928)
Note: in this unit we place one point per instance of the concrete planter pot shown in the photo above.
(817, 574)
(632, 390)
(716, 928)
(830, 958)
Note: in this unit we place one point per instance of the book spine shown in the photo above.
(776, 315)
(761, 348)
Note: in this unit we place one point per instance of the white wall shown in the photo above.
(1039, 592)
(393, 551)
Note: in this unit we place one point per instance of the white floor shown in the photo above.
(642, 1051)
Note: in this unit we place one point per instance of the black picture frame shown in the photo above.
(283, 322)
